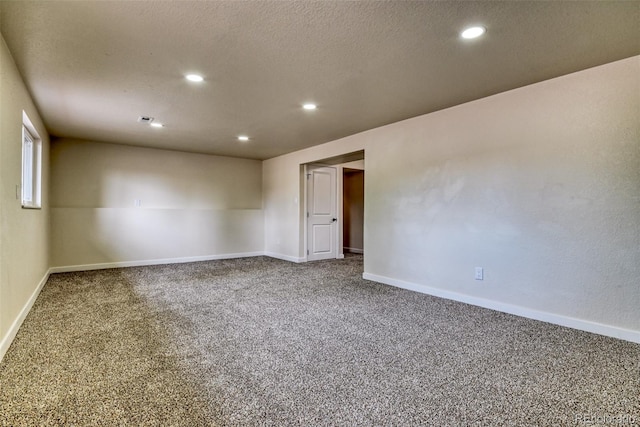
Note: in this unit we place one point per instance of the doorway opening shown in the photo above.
(333, 208)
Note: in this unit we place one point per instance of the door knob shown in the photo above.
(334, 219)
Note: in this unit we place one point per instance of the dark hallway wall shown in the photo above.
(353, 193)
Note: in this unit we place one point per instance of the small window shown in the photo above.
(31, 165)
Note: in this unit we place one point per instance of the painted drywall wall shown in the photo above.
(121, 204)
(540, 186)
(358, 165)
(24, 247)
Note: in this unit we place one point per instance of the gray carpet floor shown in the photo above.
(259, 341)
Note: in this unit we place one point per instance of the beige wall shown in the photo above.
(539, 185)
(121, 204)
(24, 254)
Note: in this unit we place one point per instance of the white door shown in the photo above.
(321, 213)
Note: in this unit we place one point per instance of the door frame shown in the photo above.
(336, 161)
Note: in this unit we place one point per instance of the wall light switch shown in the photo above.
(479, 273)
(138, 203)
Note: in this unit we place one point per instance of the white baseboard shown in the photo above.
(139, 263)
(557, 319)
(293, 259)
(6, 341)
(284, 257)
(354, 250)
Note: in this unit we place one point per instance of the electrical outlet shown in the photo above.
(479, 273)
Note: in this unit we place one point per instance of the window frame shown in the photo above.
(31, 179)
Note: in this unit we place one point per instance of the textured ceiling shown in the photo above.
(94, 67)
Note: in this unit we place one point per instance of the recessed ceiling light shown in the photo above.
(473, 32)
(243, 138)
(157, 125)
(309, 106)
(194, 77)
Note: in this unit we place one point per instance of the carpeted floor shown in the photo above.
(259, 341)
